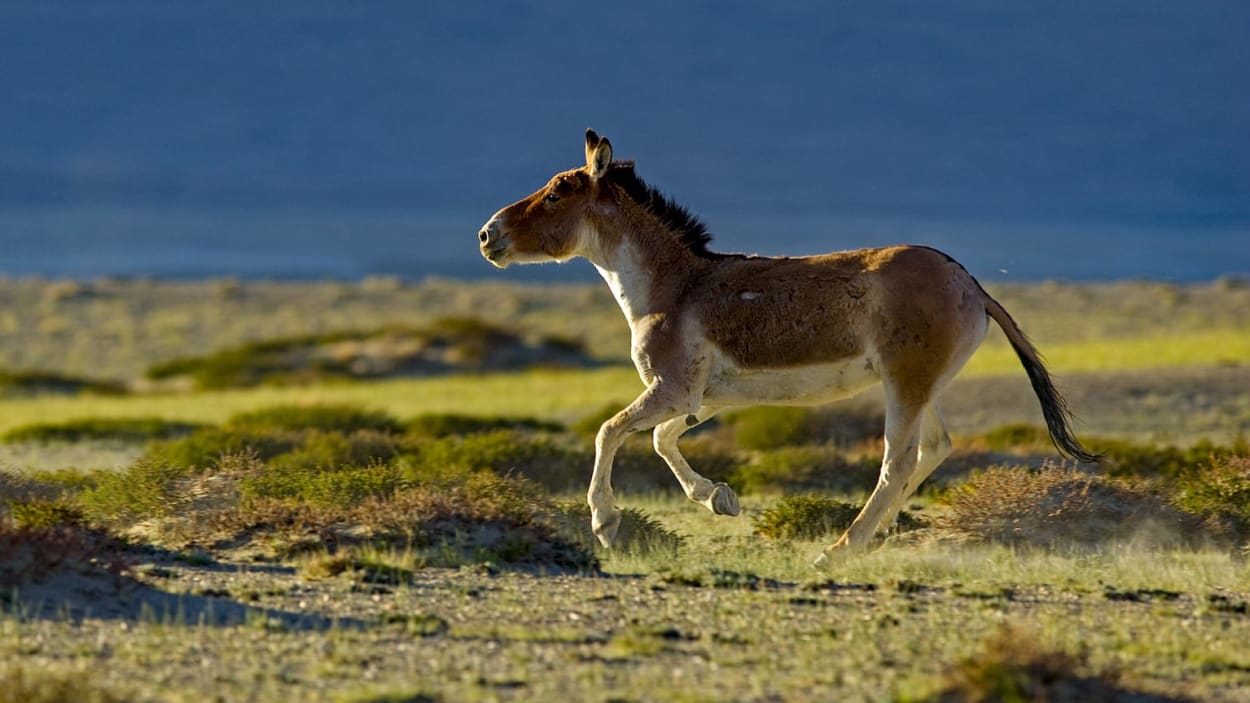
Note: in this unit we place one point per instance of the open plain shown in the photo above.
(405, 537)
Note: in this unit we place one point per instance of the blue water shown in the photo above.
(292, 138)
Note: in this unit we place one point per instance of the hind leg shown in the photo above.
(935, 446)
(902, 432)
(717, 497)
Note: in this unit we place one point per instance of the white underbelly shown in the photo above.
(729, 385)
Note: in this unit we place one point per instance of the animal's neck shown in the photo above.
(635, 264)
(629, 280)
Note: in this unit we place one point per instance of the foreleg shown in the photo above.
(656, 405)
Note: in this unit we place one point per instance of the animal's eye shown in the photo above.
(551, 197)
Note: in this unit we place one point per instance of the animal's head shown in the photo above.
(552, 223)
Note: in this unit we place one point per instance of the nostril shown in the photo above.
(483, 236)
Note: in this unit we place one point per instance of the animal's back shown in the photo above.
(785, 312)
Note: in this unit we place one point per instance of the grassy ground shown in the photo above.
(730, 615)
(732, 618)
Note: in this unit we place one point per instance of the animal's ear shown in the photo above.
(598, 154)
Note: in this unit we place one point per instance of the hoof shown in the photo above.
(723, 500)
(605, 527)
(836, 553)
(830, 557)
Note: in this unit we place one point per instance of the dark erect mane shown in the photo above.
(685, 226)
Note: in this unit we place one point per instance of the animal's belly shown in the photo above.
(804, 385)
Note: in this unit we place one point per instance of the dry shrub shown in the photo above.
(639, 533)
(478, 518)
(1013, 666)
(20, 488)
(32, 555)
(453, 515)
(1060, 506)
(484, 518)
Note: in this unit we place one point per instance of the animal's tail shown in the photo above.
(1054, 407)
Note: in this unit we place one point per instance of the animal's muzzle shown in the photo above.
(493, 243)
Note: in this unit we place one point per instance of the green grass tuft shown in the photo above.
(769, 428)
(323, 417)
(333, 450)
(1128, 459)
(588, 424)
(126, 429)
(28, 383)
(1219, 491)
(149, 488)
(806, 468)
(804, 517)
(811, 517)
(439, 425)
(359, 567)
(330, 486)
(1016, 436)
(38, 514)
(544, 459)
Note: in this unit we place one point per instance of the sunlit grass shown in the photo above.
(1212, 348)
(553, 395)
(568, 395)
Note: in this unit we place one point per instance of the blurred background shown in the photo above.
(1092, 140)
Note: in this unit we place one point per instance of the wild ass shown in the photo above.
(713, 331)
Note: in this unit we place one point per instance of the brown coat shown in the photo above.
(712, 330)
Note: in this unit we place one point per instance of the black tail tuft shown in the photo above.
(1055, 410)
(1054, 407)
